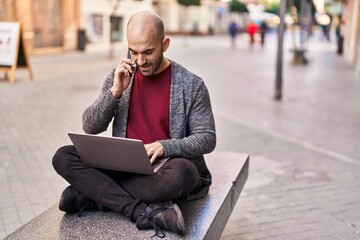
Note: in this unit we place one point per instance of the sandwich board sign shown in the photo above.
(12, 50)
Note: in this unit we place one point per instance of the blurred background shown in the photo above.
(59, 25)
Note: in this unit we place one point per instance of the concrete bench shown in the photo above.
(205, 218)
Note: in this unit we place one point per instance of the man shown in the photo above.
(151, 98)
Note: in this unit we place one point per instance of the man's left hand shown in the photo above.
(154, 150)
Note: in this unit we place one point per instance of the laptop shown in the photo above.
(114, 153)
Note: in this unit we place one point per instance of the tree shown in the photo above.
(236, 6)
(303, 14)
(299, 4)
(187, 3)
(272, 7)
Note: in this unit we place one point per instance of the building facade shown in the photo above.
(47, 25)
(63, 25)
(351, 31)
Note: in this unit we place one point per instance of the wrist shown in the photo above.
(115, 92)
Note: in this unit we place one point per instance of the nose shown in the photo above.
(140, 60)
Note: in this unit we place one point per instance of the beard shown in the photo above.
(152, 67)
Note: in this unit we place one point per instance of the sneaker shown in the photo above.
(166, 216)
(72, 201)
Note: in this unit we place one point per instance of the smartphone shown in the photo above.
(133, 66)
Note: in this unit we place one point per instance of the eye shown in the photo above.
(148, 52)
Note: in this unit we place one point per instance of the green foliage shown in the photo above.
(189, 2)
(272, 7)
(236, 6)
(297, 4)
(334, 7)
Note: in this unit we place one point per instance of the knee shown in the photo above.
(187, 175)
(60, 159)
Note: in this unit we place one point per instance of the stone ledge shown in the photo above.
(205, 218)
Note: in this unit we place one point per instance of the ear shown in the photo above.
(166, 44)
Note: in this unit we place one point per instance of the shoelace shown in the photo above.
(150, 217)
(158, 232)
(89, 205)
(83, 209)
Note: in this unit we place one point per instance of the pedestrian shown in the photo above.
(263, 30)
(251, 29)
(154, 99)
(325, 32)
(233, 31)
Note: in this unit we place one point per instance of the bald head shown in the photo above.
(146, 24)
(147, 42)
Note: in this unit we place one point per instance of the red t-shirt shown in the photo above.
(149, 108)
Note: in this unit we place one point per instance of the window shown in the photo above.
(116, 28)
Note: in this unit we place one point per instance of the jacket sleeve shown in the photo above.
(96, 118)
(200, 129)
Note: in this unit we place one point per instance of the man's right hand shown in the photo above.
(122, 76)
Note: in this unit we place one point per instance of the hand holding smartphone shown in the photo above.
(122, 75)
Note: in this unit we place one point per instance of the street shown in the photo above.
(304, 175)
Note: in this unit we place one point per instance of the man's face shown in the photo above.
(147, 54)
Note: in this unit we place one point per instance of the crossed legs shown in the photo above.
(126, 192)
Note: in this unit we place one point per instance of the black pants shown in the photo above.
(124, 192)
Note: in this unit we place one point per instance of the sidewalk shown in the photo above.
(304, 170)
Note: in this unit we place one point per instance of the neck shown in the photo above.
(164, 64)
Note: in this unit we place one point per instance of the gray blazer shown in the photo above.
(192, 127)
